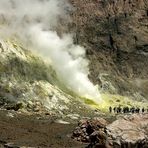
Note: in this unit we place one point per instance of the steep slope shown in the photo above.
(115, 34)
(30, 84)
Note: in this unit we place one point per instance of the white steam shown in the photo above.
(32, 21)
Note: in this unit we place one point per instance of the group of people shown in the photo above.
(127, 109)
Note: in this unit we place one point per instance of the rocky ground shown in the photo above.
(129, 131)
(24, 130)
(20, 130)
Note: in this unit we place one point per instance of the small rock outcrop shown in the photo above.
(91, 131)
(129, 131)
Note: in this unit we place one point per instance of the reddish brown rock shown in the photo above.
(91, 131)
(130, 131)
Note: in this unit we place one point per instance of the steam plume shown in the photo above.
(32, 22)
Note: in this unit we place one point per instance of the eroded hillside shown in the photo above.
(30, 84)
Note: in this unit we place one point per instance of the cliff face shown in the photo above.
(115, 34)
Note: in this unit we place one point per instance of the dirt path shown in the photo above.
(34, 131)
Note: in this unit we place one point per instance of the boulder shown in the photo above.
(129, 131)
(91, 131)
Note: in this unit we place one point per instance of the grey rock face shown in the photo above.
(130, 131)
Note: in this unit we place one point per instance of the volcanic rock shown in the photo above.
(129, 131)
(92, 131)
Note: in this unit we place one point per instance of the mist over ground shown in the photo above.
(32, 22)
